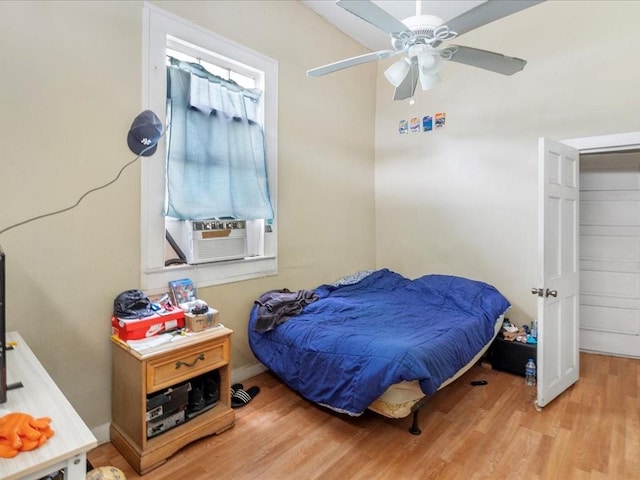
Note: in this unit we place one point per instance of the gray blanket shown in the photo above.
(276, 306)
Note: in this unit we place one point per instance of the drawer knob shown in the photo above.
(186, 364)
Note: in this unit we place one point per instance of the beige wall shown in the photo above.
(70, 78)
(463, 200)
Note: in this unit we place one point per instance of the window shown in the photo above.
(165, 34)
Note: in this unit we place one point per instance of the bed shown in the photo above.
(376, 339)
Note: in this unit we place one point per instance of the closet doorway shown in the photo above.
(610, 252)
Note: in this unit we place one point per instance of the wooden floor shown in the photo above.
(482, 432)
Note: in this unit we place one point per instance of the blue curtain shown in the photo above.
(216, 163)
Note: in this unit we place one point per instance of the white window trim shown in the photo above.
(157, 24)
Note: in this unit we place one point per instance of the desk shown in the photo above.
(41, 397)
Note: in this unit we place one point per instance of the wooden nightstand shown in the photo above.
(137, 375)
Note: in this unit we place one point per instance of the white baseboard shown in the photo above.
(101, 432)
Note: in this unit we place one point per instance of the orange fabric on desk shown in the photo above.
(20, 432)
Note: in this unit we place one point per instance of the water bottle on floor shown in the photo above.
(534, 329)
(530, 373)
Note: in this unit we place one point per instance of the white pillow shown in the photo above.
(352, 278)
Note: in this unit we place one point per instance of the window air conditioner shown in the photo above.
(204, 241)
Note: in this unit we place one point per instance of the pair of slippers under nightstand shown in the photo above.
(240, 397)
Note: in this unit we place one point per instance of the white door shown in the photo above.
(610, 253)
(558, 287)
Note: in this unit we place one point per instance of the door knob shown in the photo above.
(537, 291)
(551, 293)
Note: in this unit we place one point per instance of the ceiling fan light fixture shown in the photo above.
(428, 81)
(429, 63)
(417, 49)
(397, 72)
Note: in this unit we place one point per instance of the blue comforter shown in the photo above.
(347, 348)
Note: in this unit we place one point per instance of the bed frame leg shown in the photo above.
(415, 430)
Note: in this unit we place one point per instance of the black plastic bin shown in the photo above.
(512, 356)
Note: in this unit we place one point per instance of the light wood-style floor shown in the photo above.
(592, 431)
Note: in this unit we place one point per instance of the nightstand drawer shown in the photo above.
(186, 364)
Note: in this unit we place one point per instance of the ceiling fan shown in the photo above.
(420, 37)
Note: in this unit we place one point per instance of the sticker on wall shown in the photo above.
(427, 123)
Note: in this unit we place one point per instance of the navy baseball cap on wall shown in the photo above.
(144, 134)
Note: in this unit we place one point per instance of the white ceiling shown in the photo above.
(370, 36)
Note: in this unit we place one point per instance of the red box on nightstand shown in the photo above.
(146, 327)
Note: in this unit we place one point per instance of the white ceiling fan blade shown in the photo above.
(408, 86)
(486, 13)
(373, 14)
(495, 62)
(350, 62)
